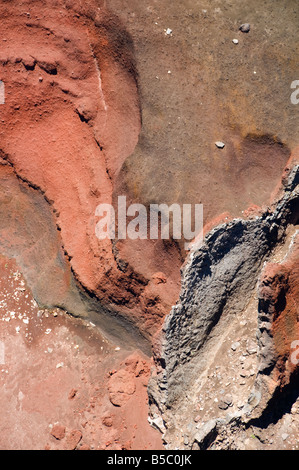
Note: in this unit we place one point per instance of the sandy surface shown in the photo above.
(56, 373)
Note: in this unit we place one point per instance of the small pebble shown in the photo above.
(222, 405)
(245, 28)
(235, 346)
(220, 144)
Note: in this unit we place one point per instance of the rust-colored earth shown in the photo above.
(104, 99)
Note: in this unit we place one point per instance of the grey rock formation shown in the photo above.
(217, 283)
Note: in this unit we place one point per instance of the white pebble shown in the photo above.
(220, 144)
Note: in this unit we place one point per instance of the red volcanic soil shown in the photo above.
(97, 107)
(77, 127)
(63, 385)
(70, 120)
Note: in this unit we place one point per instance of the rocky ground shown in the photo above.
(161, 102)
(62, 384)
(226, 366)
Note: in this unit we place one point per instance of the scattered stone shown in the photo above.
(225, 402)
(245, 28)
(244, 373)
(73, 439)
(220, 144)
(235, 41)
(107, 421)
(168, 31)
(72, 394)
(222, 405)
(284, 436)
(228, 399)
(58, 431)
(235, 346)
